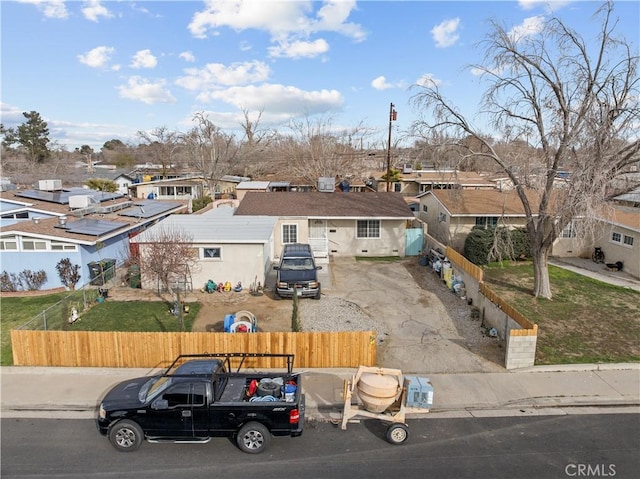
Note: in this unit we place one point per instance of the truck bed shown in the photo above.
(238, 386)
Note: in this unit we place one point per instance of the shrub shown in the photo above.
(68, 273)
(485, 245)
(32, 280)
(8, 282)
(200, 203)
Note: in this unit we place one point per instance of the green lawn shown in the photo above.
(108, 316)
(586, 321)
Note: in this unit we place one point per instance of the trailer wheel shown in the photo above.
(126, 436)
(397, 433)
(253, 438)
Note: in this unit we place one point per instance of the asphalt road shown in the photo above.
(603, 445)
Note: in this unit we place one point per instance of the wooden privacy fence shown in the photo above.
(464, 264)
(504, 306)
(151, 350)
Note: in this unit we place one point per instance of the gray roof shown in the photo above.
(325, 205)
(216, 226)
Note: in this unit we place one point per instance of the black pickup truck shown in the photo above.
(199, 397)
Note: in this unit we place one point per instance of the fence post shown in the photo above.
(44, 319)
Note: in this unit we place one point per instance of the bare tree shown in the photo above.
(315, 148)
(162, 144)
(209, 150)
(576, 103)
(255, 149)
(167, 254)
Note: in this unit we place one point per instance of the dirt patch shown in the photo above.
(272, 315)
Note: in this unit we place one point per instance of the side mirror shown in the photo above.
(160, 404)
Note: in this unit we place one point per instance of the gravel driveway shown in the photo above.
(422, 326)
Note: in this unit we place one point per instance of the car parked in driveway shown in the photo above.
(297, 273)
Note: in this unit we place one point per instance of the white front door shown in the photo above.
(318, 238)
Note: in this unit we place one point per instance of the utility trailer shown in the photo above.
(413, 395)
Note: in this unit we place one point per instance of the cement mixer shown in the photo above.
(388, 395)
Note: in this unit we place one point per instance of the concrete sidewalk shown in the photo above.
(76, 392)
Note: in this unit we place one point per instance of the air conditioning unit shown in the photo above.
(50, 185)
(80, 201)
(326, 184)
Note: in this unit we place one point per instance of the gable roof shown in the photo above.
(463, 202)
(325, 205)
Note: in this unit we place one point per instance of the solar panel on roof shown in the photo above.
(93, 227)
(62, 197)
(147, 209)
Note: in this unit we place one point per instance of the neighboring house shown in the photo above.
(227, 247)
(451, 214)
(181, 189)
(40, 227)
(340, 224)
(123, 181)
(243, 188)
(619, 239)
(415, 182)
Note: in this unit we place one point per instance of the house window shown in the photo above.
(424, 208)
(34, 245)
(486, 221)
(9, 243)
(397, 187)
(368, 229)
(628, 240)
(289, 234)
(569, 231)
(616, 237)
(58, 246)
(212, 253)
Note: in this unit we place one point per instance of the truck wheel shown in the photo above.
(317, 296)
(126, 436)
(253, 438)
(397, 433)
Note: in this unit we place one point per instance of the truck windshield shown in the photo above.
(153, 387)
(297, 263)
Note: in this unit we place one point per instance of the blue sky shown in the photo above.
(98, 70)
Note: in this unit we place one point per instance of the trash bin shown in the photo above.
(134, 276)
(96, 273)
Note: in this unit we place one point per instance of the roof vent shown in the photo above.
(62, 220)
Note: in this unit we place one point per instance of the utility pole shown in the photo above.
(392, 117)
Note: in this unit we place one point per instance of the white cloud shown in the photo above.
(93, 10)
(215, 75)
(380, 83)
(140, 89)
(50, 8)
(144, 59)
(99, 57)
(299, 49)
(188, 57)
(530, 26)
(445, 34)
(287, 22)
(280, 99)
(428, 80)
(548, 5)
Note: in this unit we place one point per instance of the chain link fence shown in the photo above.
(59, 316)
